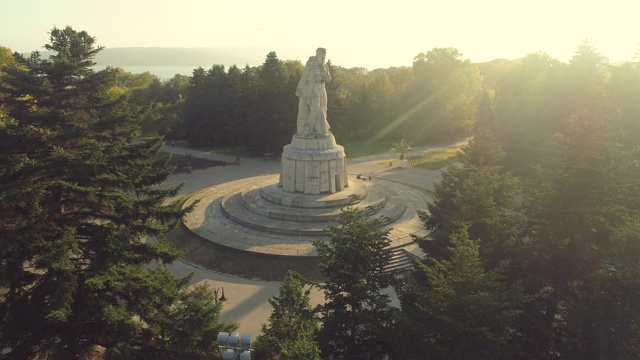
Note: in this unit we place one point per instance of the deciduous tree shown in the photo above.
(441, 102)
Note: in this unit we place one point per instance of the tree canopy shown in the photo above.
(547, 188)
(534, 236)
(355, 315)
(79, 202)
(293, 325)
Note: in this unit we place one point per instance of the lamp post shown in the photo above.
(215, 294)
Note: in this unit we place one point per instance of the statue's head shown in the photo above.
(321, 54)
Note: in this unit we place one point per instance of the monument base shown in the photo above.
(313, 166)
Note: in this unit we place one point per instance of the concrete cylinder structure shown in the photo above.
(313, 166)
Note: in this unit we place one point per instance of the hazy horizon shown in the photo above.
(372, 34)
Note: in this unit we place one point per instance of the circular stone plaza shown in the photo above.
(281, 214)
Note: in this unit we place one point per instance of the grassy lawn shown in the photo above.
(356, 150)
(433, 160)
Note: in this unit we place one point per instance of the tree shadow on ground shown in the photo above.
(196, 163)
(240, 263)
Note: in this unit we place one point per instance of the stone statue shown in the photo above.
(312, 108)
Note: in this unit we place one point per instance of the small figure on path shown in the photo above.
(312, 108)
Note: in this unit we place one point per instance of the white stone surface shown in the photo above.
(320, 143)
(313, 163)
(309, 167)
(312, 107)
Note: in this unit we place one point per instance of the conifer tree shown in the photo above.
(275, 106)
(186, 330)
(78, 197)
(454, 309)
(614, 330)
(356, 315)
(478, 195)
(573, 206)
(292, 328)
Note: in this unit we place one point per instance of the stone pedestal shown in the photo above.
(313, 166)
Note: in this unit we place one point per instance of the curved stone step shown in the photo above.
(233, 208)
(356, 191)
(247, 207)
(394, 206)
(253, 200)
(210, 223)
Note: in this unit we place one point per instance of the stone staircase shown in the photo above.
(401, 260)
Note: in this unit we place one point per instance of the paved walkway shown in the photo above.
(247, 300)
(374, 165)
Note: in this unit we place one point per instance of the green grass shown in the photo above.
(435, 160)
(432, 160)
(356, 150)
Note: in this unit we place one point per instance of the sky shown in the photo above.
(370, 34)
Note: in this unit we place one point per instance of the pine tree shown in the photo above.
(187, 330)
(622, 89)
(198, 109)
(454, 309)
(476, 194)
(78, 197)
(614, 331)
(356, 315)
(573, 205)
(291, 331)
(275, 107)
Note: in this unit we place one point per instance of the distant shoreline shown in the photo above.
(185, 57)
(227, 56)
(164, 73)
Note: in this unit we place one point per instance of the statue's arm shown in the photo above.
(327, 75)
(303, 80)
